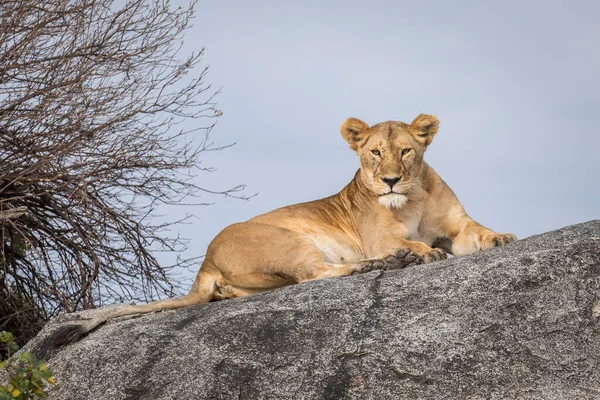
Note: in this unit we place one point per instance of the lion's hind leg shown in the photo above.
(254, 257)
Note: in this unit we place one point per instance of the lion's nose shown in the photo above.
(391, 181)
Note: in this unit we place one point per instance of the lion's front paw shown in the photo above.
(401, 259)
(434, 255)
(497, 239)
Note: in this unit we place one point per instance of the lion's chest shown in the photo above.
(419, 228)
(411, 225)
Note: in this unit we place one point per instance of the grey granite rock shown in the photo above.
(519, 322)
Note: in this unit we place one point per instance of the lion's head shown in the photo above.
(391, 154)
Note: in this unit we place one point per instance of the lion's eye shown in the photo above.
(406, 151)
(376, 152)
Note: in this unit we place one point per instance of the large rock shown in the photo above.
(519, 322)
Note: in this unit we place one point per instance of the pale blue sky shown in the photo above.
(515, 85)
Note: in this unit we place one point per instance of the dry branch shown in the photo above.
(12, 214)
(92, 97)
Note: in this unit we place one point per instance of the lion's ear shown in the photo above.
(354, 132)
(425, 127)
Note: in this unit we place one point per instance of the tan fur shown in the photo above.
(335, 235)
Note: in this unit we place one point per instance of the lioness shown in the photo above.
(389, 216)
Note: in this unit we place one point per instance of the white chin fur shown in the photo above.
(393, 200)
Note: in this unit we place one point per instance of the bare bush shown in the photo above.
(91, 98)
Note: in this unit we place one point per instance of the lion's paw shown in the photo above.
(405, 258)
(402, 259)
(434, 254)
(497, 239)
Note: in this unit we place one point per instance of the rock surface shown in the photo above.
(519, 322)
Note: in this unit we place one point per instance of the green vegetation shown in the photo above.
(27, 376)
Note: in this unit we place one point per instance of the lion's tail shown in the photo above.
(201, 292)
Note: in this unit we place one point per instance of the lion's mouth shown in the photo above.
(388, 193)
